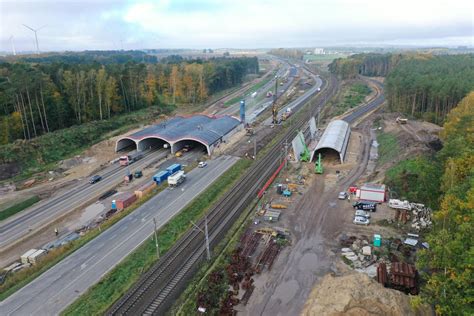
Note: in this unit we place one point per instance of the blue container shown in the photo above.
(114, 205)
(161, 176)
(173, 168)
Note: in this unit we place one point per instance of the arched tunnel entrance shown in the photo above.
(152, 143)
(191, 145)
(328, 155)
(125, 144)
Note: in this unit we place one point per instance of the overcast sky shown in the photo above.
(116, 24)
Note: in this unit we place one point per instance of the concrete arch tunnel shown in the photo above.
(199, 131)
(334, 141)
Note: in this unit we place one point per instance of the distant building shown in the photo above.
(319, 51)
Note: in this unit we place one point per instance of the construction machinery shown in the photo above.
(266, 231)
(400, 120)
(274, 105)
(305, 155)
(318, 167)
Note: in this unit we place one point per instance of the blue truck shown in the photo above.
(161, 176)
(174, 168)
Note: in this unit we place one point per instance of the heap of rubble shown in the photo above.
(422, 216)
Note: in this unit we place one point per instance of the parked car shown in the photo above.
(178, 154)
(95, 179)
(359, 220)
(342, 195)
(202, 164)
(366, 206)
(138, 174)
(362, 213)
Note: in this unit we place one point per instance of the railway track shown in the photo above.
(156, 289)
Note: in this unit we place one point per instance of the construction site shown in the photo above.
(302, 232)
(315, 205)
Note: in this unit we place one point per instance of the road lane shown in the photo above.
(58, 287)
(30, 221)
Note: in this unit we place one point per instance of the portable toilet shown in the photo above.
(377, 240)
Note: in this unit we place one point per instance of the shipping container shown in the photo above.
(373, 193)
(24, 257)
(36, 257)
(145, 189)
(174, 168)
(124, 200)
(161, 176)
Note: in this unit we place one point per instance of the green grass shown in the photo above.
(116, 283)
(42, 153)
(186, 303)
(416, 179)
(388, 147)
(12, 210)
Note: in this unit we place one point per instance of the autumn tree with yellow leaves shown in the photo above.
(449, 262)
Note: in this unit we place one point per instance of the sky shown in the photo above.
(126, 24)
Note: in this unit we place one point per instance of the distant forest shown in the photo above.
(41, 94)
(420, 85)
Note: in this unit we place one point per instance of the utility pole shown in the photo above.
(156, 240)
(206, 234)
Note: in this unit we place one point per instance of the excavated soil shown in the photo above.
(355, 294)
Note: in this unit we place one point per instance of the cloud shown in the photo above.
(74, 24)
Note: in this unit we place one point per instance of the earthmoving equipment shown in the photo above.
(318, 167)
(400, 120)
(305, 155)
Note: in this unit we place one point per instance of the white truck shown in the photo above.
(176, 178)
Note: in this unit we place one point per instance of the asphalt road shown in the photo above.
(233, 109)
(37, 217)
(58, 287)
(296, 104)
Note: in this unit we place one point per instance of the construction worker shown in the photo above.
(56, 231)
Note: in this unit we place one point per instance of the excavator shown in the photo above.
(305, 155)
(318, 166)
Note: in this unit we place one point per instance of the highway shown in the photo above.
(296, 104)
(28, 222)
(58, 287)
(161, 285)
(158, 288)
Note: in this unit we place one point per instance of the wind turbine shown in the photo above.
(36, 36)
(13, 45)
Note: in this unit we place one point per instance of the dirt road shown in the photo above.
(315, 226)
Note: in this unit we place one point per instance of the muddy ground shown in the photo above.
(316, 220)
